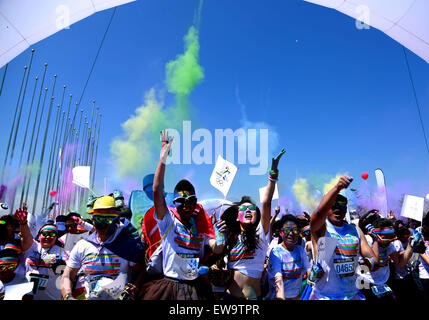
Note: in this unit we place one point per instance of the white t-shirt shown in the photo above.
(400, 273)
(423, 266)
(182, 248)
(339, 279)
(96, 261)
(291, 265)
(249, 263)
(39, 261)
(381, 275)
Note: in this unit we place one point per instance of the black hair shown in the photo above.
(9, 253)
(184, 185)
(70, 215)
(340, 197)
(381, 222)
(400, 228)
(368, 218)
(126, 213)
(278, 225)
(250, 238)
(425, 221)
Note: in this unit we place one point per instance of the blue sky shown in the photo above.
(338, 98)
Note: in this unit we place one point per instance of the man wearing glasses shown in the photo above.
(103, 256)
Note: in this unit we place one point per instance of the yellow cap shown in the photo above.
(101, 203)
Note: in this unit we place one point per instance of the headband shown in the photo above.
(49, 228)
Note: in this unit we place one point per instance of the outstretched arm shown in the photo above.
(158, 181)
(269, 191)
(26, 237)
(317, 220)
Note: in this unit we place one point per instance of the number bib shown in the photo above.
(40, 281)
(187, 264)
(344, 267)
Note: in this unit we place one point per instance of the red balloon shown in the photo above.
(52, 193)
(365, 175)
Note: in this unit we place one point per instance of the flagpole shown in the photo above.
(44, 144)
(96, 152)
(13, 123)
(4, 76)
(32, 134)
(35, 144)
(22, 103)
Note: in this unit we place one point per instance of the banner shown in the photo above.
(381, 192)
(412, 207)
(223, 174)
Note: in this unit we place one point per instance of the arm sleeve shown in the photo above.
(75, 259)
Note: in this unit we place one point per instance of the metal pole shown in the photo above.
(96, 152)
(13, 124)
(4, 76)
(43, 146)
(32, 134)
(35, 144)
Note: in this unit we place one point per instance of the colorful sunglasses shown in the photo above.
(191, 200)
(48, 234)
(252, 207)
(2, 222)
(294, 231)
(8, 267)
(103, 219)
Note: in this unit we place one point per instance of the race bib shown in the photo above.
(187, 264)
(344, 267)
(40, 281)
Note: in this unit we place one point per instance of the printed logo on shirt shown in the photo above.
(185, 239)
(240, 252)
(44, 261)
(292, 272)
(102, 264)
(347, 246)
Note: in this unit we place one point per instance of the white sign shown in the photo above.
(223, 174)
(412, 207)
(381, 192)
(81, 176)
(17, 291)
(325, 248)
(262, 193)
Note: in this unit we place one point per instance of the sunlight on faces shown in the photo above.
(48, 236)
(338, 211)
(290, 233)
(185, 203)
(247, 213)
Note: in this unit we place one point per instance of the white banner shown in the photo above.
(381, 192)
(412, 207)
(223, 174)
(81, 176)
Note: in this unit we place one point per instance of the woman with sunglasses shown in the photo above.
(336, 278)
(247, 241)
(185, 231)
(9, 261)
(40, 261)
(381, 236)
(288, 262)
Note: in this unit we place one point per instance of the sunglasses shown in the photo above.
(48, 234)
(294, 231)
(252, 207)
(191, 200)
(2, 222)
(8, 267)
(105, 220)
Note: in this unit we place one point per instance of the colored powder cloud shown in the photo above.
(136, 151)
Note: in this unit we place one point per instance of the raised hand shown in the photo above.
(21, 214)
(344, 182)
(275, 160)
(165, 145)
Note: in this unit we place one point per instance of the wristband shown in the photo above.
(68, 296)
(273, 174)
(369, 227)
(371, 263)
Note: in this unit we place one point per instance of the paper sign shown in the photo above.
(412, 207)
(325, 248)
(81, 176)
(115, 288)
(262, 193)
(223, 174)
(17, 291)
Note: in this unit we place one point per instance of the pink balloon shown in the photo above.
(52, 193)
(365, 175)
